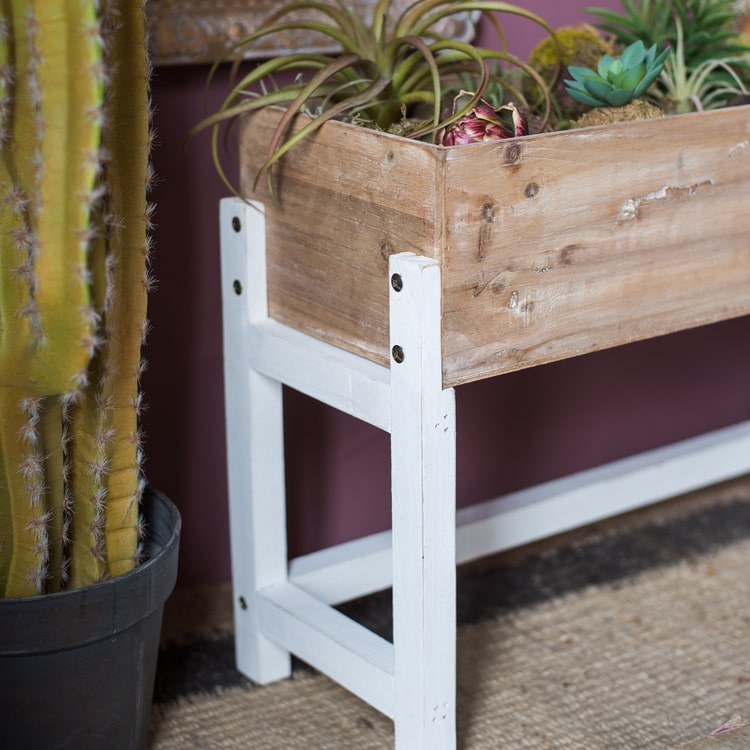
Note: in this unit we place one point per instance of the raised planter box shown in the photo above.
(550, 246)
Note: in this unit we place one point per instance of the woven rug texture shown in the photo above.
(632, 634)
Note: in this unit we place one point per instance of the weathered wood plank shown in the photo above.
(348, 201)
(571, 242)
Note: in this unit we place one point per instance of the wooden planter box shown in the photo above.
(550, 246)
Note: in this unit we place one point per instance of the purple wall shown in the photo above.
(513, 431)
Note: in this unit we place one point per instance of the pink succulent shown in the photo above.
(484, 123)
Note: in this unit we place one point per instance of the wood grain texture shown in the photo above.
(571, 242)
(348, 200)
(550, 246)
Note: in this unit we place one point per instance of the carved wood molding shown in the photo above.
(199, 31)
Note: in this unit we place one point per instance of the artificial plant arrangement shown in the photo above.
(394, 75)
(400, 76)
(74, 127)
(675, 56)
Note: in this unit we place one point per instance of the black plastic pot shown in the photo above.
(77, 668)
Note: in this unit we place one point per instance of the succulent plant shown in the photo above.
(74, 125)
(617, 80)
(483, 122)
(582, 46)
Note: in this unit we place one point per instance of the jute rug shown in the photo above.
(630, 634)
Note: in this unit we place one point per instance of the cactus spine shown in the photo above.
(73, 281)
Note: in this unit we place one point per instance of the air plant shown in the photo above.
(617, 80)
(708, 86)
(390, 71)
(501, 87)
(708, 26)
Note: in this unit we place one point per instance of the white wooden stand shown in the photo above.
(285, 607)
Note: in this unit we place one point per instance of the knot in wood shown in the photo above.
(513, 153)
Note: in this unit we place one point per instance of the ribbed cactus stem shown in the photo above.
(126, 319)
(109, 445)
(51, 167)
(33, 474)
(73, 277)
(25, 542)
(57, 477)
(6, 80)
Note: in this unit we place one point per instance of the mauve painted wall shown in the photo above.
(512, 432)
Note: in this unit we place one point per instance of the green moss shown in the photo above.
(581, 45)
(638, 109)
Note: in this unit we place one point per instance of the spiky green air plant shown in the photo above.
(709, 85)
(73, 279)
(708, 26)
(617, 80)
(483, 122)
(389, 68)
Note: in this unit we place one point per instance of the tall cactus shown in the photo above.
(74, 276)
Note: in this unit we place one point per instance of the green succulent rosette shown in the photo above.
(617, 80)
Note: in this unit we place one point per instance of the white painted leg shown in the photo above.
(255, 443)
(423, 434)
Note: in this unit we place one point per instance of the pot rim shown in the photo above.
(66, 619)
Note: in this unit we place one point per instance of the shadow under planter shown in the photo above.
(77, 668)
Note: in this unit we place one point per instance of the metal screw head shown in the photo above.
(237, 286)
(397, 282)
(398, 354)
(236, 223)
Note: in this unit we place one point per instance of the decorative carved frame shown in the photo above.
(200, 31)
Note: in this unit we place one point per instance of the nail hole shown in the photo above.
(398, 354)
(531, 190)
(237, 286)
(236, 223)
(397, 282)
(386, 249)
